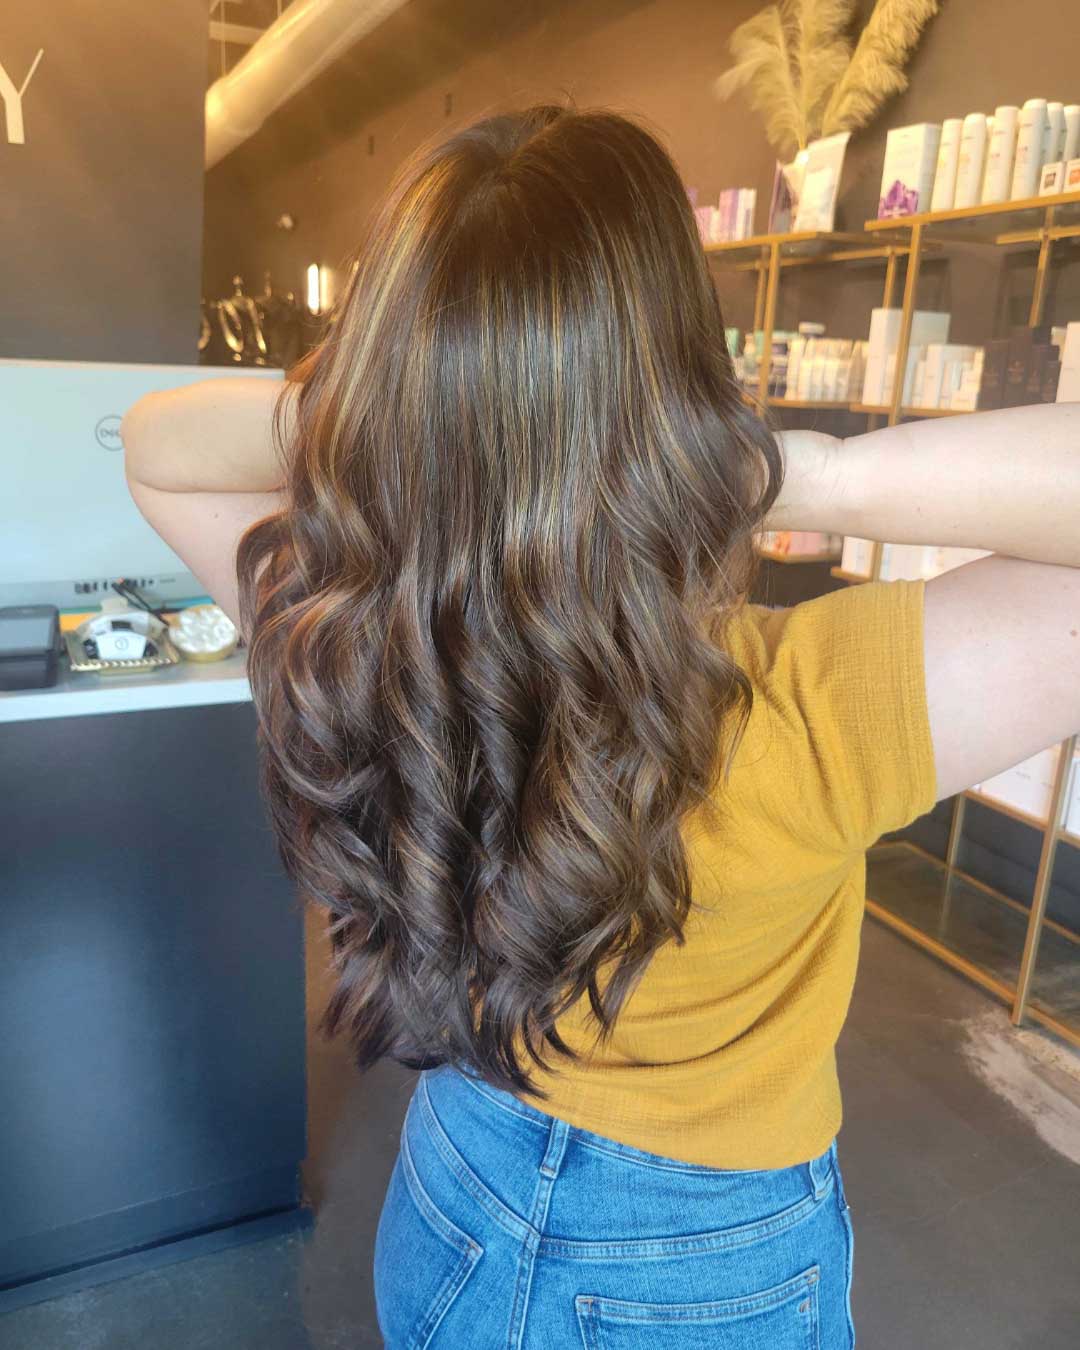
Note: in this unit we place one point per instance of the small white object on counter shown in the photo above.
(204, 633)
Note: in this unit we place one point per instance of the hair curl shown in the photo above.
(521, 493)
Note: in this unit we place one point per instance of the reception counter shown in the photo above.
(152, 1061)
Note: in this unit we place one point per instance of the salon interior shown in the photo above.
(184, 1161)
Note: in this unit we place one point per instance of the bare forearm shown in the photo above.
(1005, 481)
(215, 436)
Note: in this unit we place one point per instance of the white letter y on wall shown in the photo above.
(13, 98)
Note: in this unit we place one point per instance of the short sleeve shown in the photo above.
(844, 721)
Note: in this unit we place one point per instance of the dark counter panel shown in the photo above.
(153, 1048)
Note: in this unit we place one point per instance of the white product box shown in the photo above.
(884, 337)
(966, 397)
(945, 559)
(747, 204)
(907, 177)
(939, 356)
(810, 351)
(926, 326)
(951, 376)
(1029, 786)
(905, 562)
(1069, 384)
(857, 556)
(817, 376)
(914, 382)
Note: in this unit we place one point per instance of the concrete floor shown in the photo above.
(956, 1152)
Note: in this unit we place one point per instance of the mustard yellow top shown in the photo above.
(724, 1053)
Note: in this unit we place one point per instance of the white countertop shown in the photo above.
(187, 685)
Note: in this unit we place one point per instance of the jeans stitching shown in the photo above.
(433, 1215)
(645, 1249)
(697, 1244)
(502, 1214)
(718, 1310)
(467, 1248)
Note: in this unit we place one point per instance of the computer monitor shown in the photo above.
(68, 526)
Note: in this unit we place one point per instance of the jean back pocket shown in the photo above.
(782, 1318)
(422, 1260)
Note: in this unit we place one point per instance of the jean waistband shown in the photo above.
(466, 1143)
(446, 1078)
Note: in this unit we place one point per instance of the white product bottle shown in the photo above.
(750, 364)
(1029, 148)
(948, 161)
(1000, 155)
(1054, 133)
(969, 171)
(986, 157)
(1072, 132)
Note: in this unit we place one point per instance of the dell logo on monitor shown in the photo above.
(107, 433)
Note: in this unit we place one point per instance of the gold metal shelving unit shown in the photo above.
(769, 255)
(1042, 223)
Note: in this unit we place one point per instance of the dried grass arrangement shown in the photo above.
(797, 66)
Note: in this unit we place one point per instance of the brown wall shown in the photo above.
(101, 207)
(326, 157)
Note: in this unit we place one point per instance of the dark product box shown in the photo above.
(992, 385)
(1051, 375)
(1016, 368)
(1041, 354)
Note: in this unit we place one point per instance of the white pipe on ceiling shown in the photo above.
(308, 36)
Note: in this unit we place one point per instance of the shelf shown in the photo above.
(796, 557)
(871, 409)
(996, 804)
(974, 929)
(806, 246)
(933, 412)
(810, 403)
(998, 223)
(853, 577)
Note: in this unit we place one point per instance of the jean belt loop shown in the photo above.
(558, 1136)
(819, 1170)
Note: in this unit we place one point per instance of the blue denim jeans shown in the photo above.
(506, 1229)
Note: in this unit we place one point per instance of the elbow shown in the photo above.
(136, 432)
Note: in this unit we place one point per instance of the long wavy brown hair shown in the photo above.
(521, 495)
